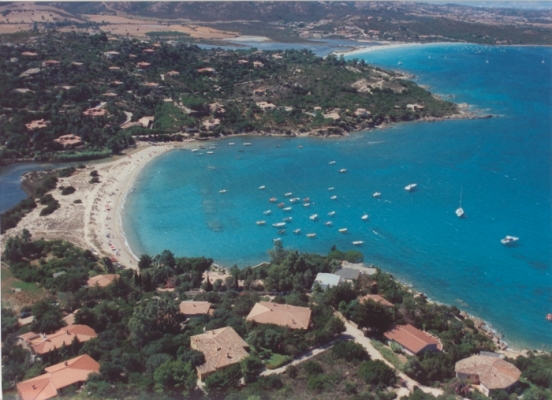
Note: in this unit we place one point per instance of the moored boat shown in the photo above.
(306, 205)
(313, 217)
(287, 209)
(358, 242)
(279, 224)
(331, 213)
(276, 240)
(261, 222)
(222, 191)
(281, 231)
(288, 219)
(343, 230)
(333, 197)
(231, 144)
(459, 212)
(267, 212)
(194, 150)
(376, 194)
(331, 162)
(364, 217)
(247, 144)
(331, 188)
(311, 235)
(261, 187)
(509, 240)
(411, 187)
(342, 170)
(281, 205)
(329, 223)
(288, 194)
(297, 231)
(273, 199)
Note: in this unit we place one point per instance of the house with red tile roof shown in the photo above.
(207, 71)
(51, 63)
(143, 64)
(102, 280)
(69, 140)
(57, 377)
(376, 298)
(221, 347)
(489, 372)
(293, 317)
(37, 124)
(42, 344)
(194, 308)
(412, 340)
(29, 54)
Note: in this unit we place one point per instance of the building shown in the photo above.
(111, 54)
(173, 73)
(490, 372)
(68, 141)
(50, 63)
(258, 64)
(293, 317)
(102, 280)
(376, 298)
(37, 124)
(29, 54)
(263, 105)
(412, 340)
(243, 62)
(206, 71)
(30, 72)
(221, 347)
(114, 68)
(143, 65)
(194, 308)
(146, 122)
(211, 124)
(42, 344)
(148, 51)
(326, 280)
(348, 274)
(94, 112)
(59, 376)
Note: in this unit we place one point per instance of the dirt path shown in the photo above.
(303, 357)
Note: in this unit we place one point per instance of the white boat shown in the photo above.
(329, 223)
(261, 222)
(460, 211)
(306, 204)
(331, 162)
(230, 144)
(376, 194)
(358, 242)
(297, 231)
(276, 240)
(313, 217)
(311, 235)
(209, 152)
(294, 200)
(247, 144)
(342, 170)
(287, 209)
(364, 217)
(331, 188)
(331, 213)
(333, 197)
(267, 212)
(509, 240)
(281, 231)
(288, 219)
(194, 150)
(411, 187)
(343, 230)
(288, 194)
(399, 63)
(261, 187)
(222, 191)
(279, 224)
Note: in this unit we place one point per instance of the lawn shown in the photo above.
(277, 360)
(30, 293)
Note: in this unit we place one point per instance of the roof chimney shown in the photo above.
(218, 348)
(228, 355)
(66, 364)
(67, 330)
(34, 387)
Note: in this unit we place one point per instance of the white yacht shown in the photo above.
(297, 231)
(364, 217)
(247, 144)
(358, 242)
(209, 152)
(306, 204)
(333, 197)
(288, 194)
(230, 144)
(343, 230)
(287, 209)
(411, 187)
(311, 235)
(279, 224)
(329, 223)
(331, 162)
(331, 188)
(222, 191)
(194, 150)
(267, 212)
(342, 170)
(508, 240)
(262, 187)
(261, 222)
(376, 194)
(331, 213)
(288, 218)
(313, 217)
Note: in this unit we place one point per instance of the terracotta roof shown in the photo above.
(42, 344)
(172, 73)
(143, 64)
(493, 372)
(377, 298)
(57, 377)
(412, 338)
(221, 348)
(94, 112)
(280, 314)
(192, 308)
(29, 54)
(37, 124)
(68, 140)
(102, 280)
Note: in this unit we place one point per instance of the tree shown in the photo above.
(350, 351)
(224, 379)
(251, 367)
(145, 262)
(377, 373)
(175, 374)
(154, 319)
(374, 316)
(335, 326)
(48, 318)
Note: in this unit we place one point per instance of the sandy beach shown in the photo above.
(95, 223)
(391, 45)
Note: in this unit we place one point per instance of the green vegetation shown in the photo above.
(9, 219)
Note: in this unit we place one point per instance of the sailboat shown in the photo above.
(460, 210)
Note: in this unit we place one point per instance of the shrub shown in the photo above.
(68, 190)
(312, 367)
(78, 201)
(377, 373)
(94, 173)
(318, 383)
(66, 172)
(350, 351)
(94, 180)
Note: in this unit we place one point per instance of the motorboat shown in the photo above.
(209, 152)
(288, 194)
(297, 231)
(376, 194)
(364, 217)
(331, 188)
(331, 162)
(313, 217)
(247, 144)
(267, 212)
(281, 231)
(358, 242)
(287, 209)
(288, 218)
(194, 150)
(222, 191)
(279, 224)
(411, 187)
(306, 205)
(262, 187)
(231, 144)
(281, 205)
(261, 222)
(294, 200)
(343, 230)
(333, 197)
(342, 170)
(273, 199)
(329, 223)
(459, 212)
(331, 213)
(276, 240)
(311, 235)
(509, 240)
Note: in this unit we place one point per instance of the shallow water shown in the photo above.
(501, 165)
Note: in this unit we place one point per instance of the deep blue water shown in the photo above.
(502, 165)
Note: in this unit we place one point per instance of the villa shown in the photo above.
(37, 124)
(221, 347)
(488, 371)
(69, 141)
(348, 274)
(58, 376)
(29, 54)
(194, 308)
(377, 299)
(326, 280)
(102, 280)
(42, 344)
(293, 317)
(412, 340)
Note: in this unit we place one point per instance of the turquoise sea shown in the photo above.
(502, 166)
